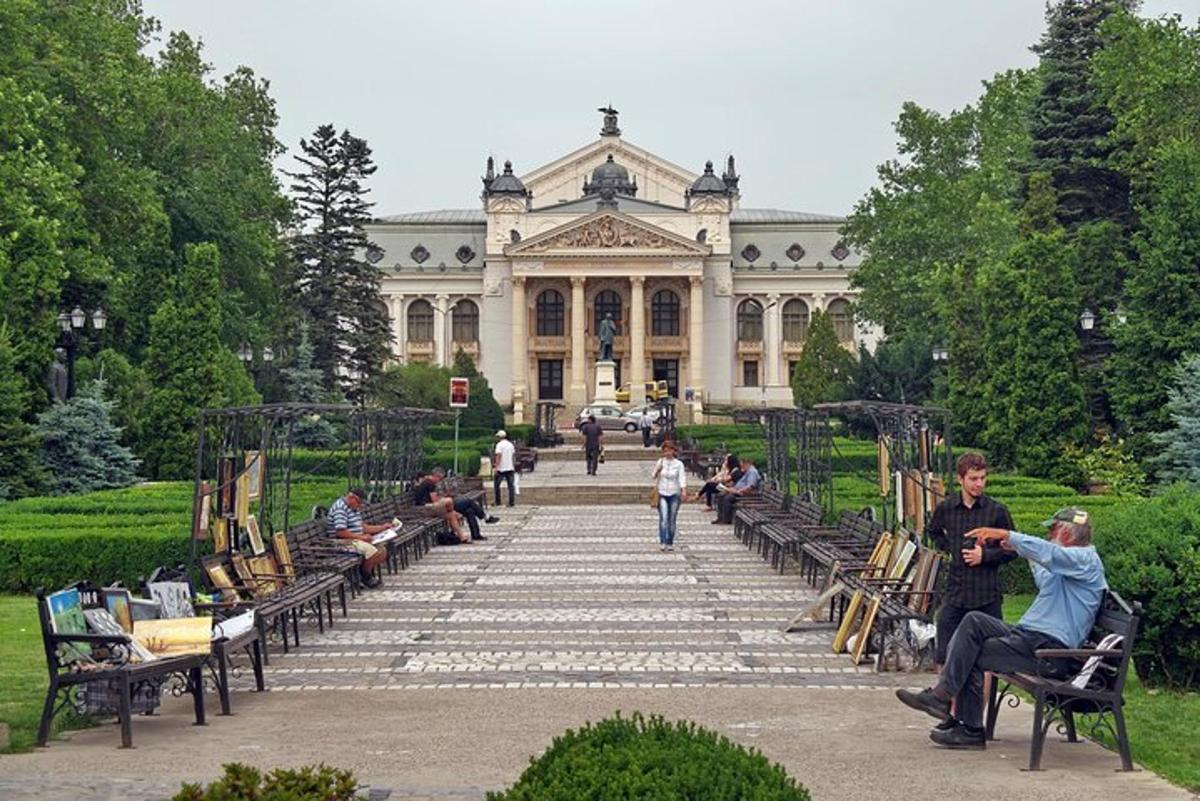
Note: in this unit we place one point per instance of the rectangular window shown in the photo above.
(750, 374)
(550, 379)
(792, 370)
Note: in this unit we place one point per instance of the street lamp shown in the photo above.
(71, 323)
(1087, 320)
(940, 354)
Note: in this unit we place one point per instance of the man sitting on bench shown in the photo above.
(437, 505)
(1071, 585)
(345, 522)
(749, 484)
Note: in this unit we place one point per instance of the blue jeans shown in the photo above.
(668, 511)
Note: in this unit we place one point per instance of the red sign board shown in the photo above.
(459, 392)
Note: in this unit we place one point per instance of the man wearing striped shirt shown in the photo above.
(344, 521)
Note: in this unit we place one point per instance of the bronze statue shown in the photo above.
(607, 332)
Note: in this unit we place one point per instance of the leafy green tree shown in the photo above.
(80, 446)
(1180, 456)
(337, 288)
(302, 383)
(125, 385)
(20, 471)
(825, 368)
(189, 367)
(417, 384)
(482, 409)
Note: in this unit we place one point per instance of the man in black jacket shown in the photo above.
(974, 578)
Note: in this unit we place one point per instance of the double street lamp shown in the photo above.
(72, 324)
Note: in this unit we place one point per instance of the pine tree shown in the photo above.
(20, 471)
(80, 445)
(825, 369)
(302, 382)
(338, 290)
(189, 368)
(1180, 457)
(482, 408)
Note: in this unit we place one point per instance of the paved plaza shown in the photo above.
(443, 684)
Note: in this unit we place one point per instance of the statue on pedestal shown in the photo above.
(606, 334)
(58, 378)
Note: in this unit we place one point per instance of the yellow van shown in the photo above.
(654, 390)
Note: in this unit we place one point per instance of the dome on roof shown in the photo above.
(613, 176)
(709, 183)
(505, 184)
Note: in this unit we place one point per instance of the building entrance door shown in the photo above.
(550, 379)
(668, 370)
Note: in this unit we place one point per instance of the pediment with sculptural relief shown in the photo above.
(610, 233)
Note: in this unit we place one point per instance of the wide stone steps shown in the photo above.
(622, 453)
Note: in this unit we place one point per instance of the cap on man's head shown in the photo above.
(501, 434)
(1068, 514)
(359, 493)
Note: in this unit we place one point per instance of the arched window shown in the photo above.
(607, 302)
(843, 322)
(465, 321)
(795, 321)
(420, 321)
(750, 321)
(550, 313)
(664, 314)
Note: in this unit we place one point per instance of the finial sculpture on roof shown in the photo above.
(610, 121)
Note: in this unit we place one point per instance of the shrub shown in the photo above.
(650, 759)
(244, 783)
(1151, 552)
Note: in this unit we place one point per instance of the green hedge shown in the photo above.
(650, 760)
(244, 783)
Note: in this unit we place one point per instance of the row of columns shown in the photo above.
(441, 312)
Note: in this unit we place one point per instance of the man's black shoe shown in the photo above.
(491, 519)
(958, 737)
(480, 537)
(926, 702)
(372, 582)
(946, 725)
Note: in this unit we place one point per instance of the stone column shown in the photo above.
(635, 373)
(696, 339)
(519, 349)
(441, 309)
(773, 333)
(577, 392)
(398, 332)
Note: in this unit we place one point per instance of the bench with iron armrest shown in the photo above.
(701, 464)
(752, 511)
(106, 664)
(1089, 680)
(314, 550)
(783, 534)
(412, 540)
(469, 487)
(849, 542)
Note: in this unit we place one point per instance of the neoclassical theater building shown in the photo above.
(708, 295)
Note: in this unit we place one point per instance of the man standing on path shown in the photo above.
(504, 466)
(593, 441)
(974, 580)
(645, 421)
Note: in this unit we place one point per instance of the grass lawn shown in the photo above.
(1162, 725)
(23, 666)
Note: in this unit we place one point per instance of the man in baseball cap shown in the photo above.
(344, 521)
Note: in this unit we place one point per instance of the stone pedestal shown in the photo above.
(606, 388)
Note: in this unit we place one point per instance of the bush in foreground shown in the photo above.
(244, 783)
(621, 758)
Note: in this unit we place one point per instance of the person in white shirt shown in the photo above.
(671, 481)
(504, 466)
(645, 422)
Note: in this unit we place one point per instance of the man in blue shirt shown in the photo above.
(344, 521)
(1071, 585)
(748, 484)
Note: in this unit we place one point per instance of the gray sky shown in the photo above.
(803, 92)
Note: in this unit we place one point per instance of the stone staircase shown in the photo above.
(601, 494)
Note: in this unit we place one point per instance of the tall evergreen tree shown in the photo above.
(824, 369)
(1180, 457)
(302, 382)
(20, 471)
(337, 288)
(482, 408)
(188, 366)
(80, 446)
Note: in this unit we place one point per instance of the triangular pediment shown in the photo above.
(659, 180)
(610, 233)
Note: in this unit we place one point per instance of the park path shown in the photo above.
(442, 685)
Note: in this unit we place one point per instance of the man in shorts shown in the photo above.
(344, 521)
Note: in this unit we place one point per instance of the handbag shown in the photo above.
(654, 497)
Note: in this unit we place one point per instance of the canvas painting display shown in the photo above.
(66, 617)
(256, 470)
(203, 516)
(257, 546)
(221, 535)
(101, 622)
(242, 507)
(219, 578)
(283, 553)
(227, 476)
(173, 597)
(116, 601)
(175, 637)
(266, 573)
(862, 640)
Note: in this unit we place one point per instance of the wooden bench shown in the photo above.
(754, 510)
(525, 459)
(784, 533)
(1089, 680)
(75, 659)
(849, 543)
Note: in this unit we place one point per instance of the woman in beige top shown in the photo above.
(671, 480)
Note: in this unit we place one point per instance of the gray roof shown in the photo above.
(780, 216)
(441, 216)
(627, 204)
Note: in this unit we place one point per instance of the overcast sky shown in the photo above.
(802, 92)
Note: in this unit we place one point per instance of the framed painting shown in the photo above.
(203, 516)
(227, 477)
(863, 639)
(256, 471)
(173, 597)
(256, 539)
(116, 601)
(283, 553)
(66, 617)
(221, 535)
(848, 621)
(242, 507)
(265, 572)
(219, 578)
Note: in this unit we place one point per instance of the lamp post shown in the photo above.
(72, 323)
(940, 354)
(1087, 320)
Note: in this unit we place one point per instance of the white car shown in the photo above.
(656, 412)
(610, 418)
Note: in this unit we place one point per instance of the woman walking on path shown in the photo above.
(671, 481)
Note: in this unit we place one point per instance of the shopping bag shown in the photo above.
(516, 483)
(654, 497)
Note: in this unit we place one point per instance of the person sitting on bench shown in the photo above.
(749, 484)
(729, 474)
(436, 505)
(344, 521)
(1071, 585)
